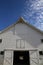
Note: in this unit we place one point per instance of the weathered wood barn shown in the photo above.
(21, 44)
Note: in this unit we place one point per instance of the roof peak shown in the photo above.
(22, 20)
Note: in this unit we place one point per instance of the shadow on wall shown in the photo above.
(30, 36)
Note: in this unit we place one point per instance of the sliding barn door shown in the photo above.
(8, 58)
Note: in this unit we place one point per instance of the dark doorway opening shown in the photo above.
(21, 58)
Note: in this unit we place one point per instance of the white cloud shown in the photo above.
(34, 9)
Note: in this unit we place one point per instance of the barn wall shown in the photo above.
(17, 32)
(30, 35)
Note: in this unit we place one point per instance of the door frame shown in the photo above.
(33, 49)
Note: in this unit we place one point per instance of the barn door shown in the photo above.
(21, 58)
(8, 58)
(34, 57)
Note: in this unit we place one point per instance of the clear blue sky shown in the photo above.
(11, 10)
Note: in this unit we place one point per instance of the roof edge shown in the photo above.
(22, 20)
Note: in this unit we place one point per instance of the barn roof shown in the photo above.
(21, 20)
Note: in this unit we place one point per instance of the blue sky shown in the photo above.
(11, 10)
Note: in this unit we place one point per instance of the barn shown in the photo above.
(21, 44)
